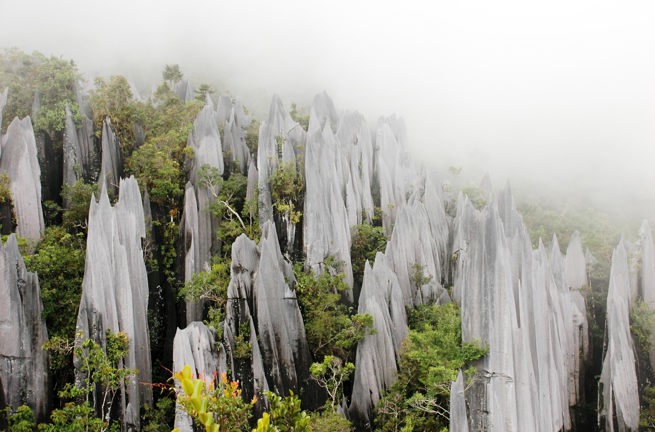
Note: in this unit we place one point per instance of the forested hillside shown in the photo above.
(169, 260)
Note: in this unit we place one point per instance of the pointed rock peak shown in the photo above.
(644, 230)
(486, 185)
(555, 247)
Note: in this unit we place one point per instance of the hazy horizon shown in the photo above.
(560, 94)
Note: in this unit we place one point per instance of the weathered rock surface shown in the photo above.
(524, 305)
(111, 165)
(19, 161)
(80, 154)
(184, 91)
(378, 354)
(194, 346)
(232, 119)
(23, 363)
(115, 286)
(280, 143)
(458, 415)
(619, 377)
(647, 276)
(262, 303)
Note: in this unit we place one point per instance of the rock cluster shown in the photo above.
(115, 287)
(18, 160)
(23, 362)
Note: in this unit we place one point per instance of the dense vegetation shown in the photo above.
(153, 136)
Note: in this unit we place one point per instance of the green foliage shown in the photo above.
(210, 286)
(20, 421)
(230, 206)
(331, 374)
(330, 421)
(647, 413)
(331, 327)
(59, 261)
(287, 188)
(158, 163)
(430, 359)
(252, 136)
(286, 414)
(216, 408)
(300, 116)
(172, 73)
(5, 188)
(367, 241)
(158, 419)
(103, 377)
(418, 277)
(203, 91)
(114, 99)
(52, 79)
(477, 196)
(77, 198)
(642, 321)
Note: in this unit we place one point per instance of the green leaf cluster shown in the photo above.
(287, 189)
(430, 359)
(332, 328)
(367, 241)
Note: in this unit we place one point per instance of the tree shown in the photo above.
(203, 91)
(331, 374)
(287, 187)
(367, 241)
(332, 328)
(104, 376)
(172, 73)
(430, 359)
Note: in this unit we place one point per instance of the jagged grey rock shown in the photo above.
(80, 154)
(184, 91)
(618, 377)
(192, 260)
(280, 142)
(206, 143)
(23, 361)
(194, 346)
(378, 354)
(251, 188)
(280, 328)
(326, 228)
(458, 415)
(20, 162)
(239, 318)
(111, 165)
(526, 307)
(233, 121)
(115, 285)
(393, 168)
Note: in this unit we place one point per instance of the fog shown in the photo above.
(558, 94)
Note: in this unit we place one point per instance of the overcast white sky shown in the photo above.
(553, 90)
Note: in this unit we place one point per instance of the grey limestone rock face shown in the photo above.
(378, 354)
(192, 260)
(239, 319)
(394, 170)
(251, 187)
(205, 141)
(184, 90)
(262, 302)
(194, 346)
(23, 362)
(280, 141)
(526, 307)
(111, 165)
(280, 328)
(458, 415)
(326, 225)
(618, 377)
(80, 154)
(115, 285)
(234, 121)
(19, 161)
